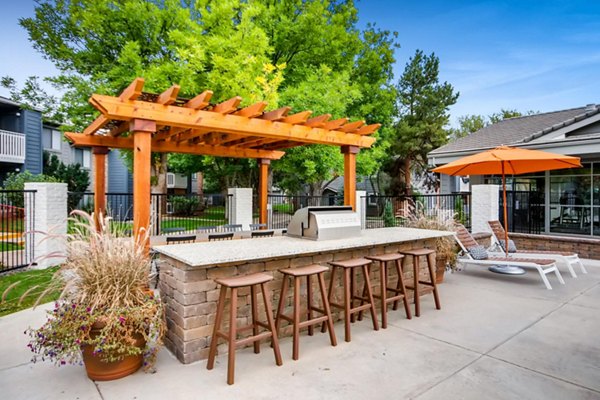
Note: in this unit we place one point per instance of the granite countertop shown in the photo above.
(251, 250)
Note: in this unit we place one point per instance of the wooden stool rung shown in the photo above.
(313, 321)
(288, 319)
(252, 339)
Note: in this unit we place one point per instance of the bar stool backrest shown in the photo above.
(231, 228)
(181, 239)
(261, 234)
(220, 236)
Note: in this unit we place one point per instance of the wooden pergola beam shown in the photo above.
(80, 140)
(367, 129)
(351, 127)
(119, 129)
(252, 111)
(228, 106)
(201, 101)
(276, 115)
(318, 122)
(298, 118)
(188, 118)
(98, 123)
(336, 123)
(133, 91)
(169, 96)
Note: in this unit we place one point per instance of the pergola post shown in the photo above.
(99, 184)
(350, 153)
(142, 131)
(263, 188)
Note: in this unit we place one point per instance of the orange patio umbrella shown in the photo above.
(505, 160)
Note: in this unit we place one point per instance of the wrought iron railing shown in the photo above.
(17, 236)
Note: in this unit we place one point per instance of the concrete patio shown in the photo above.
(496, 337)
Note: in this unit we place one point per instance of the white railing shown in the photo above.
(12, 147)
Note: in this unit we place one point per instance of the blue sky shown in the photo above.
(541, 55)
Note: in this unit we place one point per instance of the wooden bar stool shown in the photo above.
(231, 336)
(348, 267)
(399, 291)
(419, 285)
(297, 274)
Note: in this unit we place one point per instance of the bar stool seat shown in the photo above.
(304, 271)
(399, 292)
(418, 285)
(254, 280)
(367, 303)
(247, 280)
(297, 274)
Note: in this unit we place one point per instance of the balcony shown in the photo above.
(12, 147)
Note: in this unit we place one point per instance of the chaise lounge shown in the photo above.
(569, 258)
(476, 254)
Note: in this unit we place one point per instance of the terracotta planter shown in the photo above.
(99, 370)
(440, 268)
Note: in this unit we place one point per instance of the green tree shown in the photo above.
(16, 181)
(423, 103)
(76, 178)
(468, 124)
(32, 96)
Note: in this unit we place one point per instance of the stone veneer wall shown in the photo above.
(584, 247)
(191, 294)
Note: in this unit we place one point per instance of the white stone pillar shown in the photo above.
(485, 203)
(241, 207)
(361, 207)
(49, 215)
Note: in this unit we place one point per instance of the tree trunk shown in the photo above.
(407, 177)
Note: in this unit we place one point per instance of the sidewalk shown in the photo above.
(496, 337)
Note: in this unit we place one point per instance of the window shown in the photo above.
(51, 139)
(83, 157)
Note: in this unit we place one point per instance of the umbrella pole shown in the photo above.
(505, 210)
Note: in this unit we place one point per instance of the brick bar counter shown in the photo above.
(187, 273)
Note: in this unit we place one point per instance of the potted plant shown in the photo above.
(106, 315)
(445, 247)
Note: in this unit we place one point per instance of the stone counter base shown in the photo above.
(191, 295)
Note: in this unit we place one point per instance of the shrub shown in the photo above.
(16, 181)
(183, 205)
(388, 215)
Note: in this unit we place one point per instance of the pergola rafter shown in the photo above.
(167, 123)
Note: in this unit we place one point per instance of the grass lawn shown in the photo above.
(9, 246)
(11, 301)
(284, 208)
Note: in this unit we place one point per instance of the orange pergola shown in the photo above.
(167, 123)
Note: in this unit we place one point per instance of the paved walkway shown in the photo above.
(496, 337)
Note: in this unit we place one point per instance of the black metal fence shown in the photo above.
(17, 239)
(390, 211)
(525, 211)
(169, 213)
(282, 207)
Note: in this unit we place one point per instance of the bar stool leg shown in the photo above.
(416, 285)
(296, 341)
(400, 286)
(329, 294)
(347, 305)
(231, 338)
(215, 338)
(309, 304)
(365, 269)
(282, 297)
(271, 322)
(352, 294)
(430, 266)
(254, 318)
(383, 285)
(327, 309)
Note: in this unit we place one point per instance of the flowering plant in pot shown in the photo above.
(106, 315)
(445, 247)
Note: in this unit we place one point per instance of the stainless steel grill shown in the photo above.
(324, 223)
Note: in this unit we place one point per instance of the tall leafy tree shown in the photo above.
(423, 103)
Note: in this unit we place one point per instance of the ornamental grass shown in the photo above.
(104, 283)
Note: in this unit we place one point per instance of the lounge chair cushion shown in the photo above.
(478, 252)
(512, 247)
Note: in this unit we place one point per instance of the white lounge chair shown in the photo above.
(569, 258)
(544, 267)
